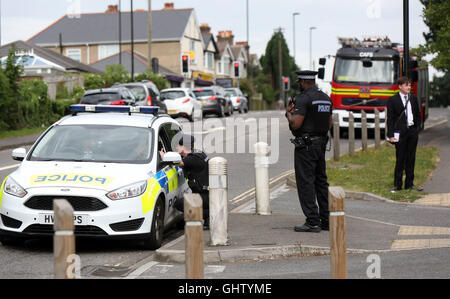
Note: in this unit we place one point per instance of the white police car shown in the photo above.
(107, 166)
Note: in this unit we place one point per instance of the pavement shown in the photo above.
(374, 224)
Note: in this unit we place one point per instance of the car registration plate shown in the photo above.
(77, 219)
(203, 101)
(173, 111)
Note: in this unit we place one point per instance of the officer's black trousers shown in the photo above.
(312, 184)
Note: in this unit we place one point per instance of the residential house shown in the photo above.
(48, 65)
(92, 37)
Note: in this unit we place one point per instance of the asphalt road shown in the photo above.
(108, 258)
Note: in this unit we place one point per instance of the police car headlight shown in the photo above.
(13, 188)
(128, 191)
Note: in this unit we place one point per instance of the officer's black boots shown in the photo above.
(306, 228)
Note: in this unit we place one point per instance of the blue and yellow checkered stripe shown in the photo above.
(167, 181)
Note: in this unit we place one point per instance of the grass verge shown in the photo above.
(373, 171)
(21, 133)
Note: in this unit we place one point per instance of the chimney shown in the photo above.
(226, 36)
(204, 28)
(168, 6)
(112, 9)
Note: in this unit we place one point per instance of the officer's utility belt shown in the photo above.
(306, 141)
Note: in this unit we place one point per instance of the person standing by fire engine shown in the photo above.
(404, 120)
(310, 119)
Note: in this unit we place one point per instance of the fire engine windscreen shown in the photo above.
(353, 71)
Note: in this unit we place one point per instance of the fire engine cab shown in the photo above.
(365, 76)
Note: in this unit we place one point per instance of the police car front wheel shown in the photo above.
(154, 241)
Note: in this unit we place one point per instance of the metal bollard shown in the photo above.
(377, 129)
(338, 241)
(351, 134)
(336, 137)
(193, 216)
(64, 239)
(218, 201)
(364, 130)
(262, 178)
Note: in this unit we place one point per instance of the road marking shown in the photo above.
(420, 244)
(214, 269)
(251, 192)
(9, 167)
(136, 273)
(423, 231)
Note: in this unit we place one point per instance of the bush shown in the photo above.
(78, 93)
(116, 74)
(93, 81)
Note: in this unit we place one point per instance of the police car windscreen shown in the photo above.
(353, 71)
(97, 98)
(95, 143)
(172, 95)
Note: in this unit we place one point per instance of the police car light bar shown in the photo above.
(120, 109)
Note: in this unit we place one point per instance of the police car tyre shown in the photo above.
(157, 229)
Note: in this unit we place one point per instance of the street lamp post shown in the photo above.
(132, 41)
(310, 46)
(293, 17)
(120, 32)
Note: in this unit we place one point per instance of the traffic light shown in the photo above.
(185, 64)
(286, 84)
(237, 69)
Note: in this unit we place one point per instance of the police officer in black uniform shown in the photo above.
(310, 119)
(196, 170)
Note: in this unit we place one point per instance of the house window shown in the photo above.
(226, 64)
(219, 66)
(209, 60)
(107, 50)
(74, 54)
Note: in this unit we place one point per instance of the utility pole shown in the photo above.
(406, 71)
(293, 17)
(280, 65)
(149, 34)
(120, 32)
(310, 47)
(132, 41)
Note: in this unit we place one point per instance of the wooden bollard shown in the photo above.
(193, 216)
(338, 241)
(377, 129)
(336, 136)
(351, 134)
(364, 130)
(64, 239)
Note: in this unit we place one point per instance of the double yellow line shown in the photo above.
(250, 193)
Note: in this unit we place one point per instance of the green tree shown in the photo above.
(436, 14)
(116, 74)
(440, 91)
(5, 100)
(93, 81)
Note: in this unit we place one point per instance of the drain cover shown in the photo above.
(107, 271)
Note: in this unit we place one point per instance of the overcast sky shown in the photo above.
(21, 19)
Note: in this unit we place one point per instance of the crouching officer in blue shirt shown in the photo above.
(310, 119)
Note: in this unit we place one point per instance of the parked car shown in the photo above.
(147, 94)
(181, 102)
(108, 96)
(129, 197)
(214, 101)
(239, 100)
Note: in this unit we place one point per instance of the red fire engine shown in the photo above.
(365, 75)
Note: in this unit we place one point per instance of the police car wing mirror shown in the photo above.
(321, 74)
(19, 154)
(322, 61)
(171, 158)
